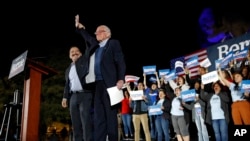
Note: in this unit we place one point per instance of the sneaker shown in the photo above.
(125, 137)
(130, 138)
(174, 137)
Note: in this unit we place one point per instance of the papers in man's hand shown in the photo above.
(115, 95)
(136, 95)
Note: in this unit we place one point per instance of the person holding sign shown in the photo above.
(180, 82)
(240, 106)
(217, 110)
(191, 80)
(179, 122)
(153, 93)
(198, 116)
(162, 120)
(140, 112)
(245, 71)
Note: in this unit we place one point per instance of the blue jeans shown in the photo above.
(220, 127)
(201, 128)
(152, 126)
(162, 128)
(127, 124)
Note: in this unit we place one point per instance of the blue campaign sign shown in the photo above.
(193, 61)
(225, 61)
(245, 86)
(188, 95)
(149, 69)
(170, 76)
(241, 54)
(163, 72)
(154, 110)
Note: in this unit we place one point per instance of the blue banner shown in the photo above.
(215, 53)
(149, 69)
(219, 51)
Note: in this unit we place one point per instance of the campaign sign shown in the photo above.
(179, 64)
(188, 95)
(205, 63)
(217, 64)
(170, 76)
(131, 78)
(154, 110)
(209, 77)
(245, 86)
(149, 69)
(163, 72)
(240, 55)
(18, 64)
(226, 60)
(193, 61)
(136, 95)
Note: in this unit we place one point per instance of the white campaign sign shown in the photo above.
(210, 77)
(136, 95)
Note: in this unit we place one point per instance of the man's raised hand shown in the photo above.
(77, 21)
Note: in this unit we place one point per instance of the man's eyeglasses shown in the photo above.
(100, 31)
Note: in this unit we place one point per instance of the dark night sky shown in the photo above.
(150, 33)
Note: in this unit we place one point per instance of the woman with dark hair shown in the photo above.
(178, 117)
(217, 110)
(240, 106)
(162, 120)
(245, 73)
(180, 82)
(126, 115)
(140, 113)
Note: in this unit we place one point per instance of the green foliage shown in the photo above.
(52, 91)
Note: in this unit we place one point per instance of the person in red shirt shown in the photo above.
(126, 113)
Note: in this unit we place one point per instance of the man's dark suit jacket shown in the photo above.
(113, 67)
